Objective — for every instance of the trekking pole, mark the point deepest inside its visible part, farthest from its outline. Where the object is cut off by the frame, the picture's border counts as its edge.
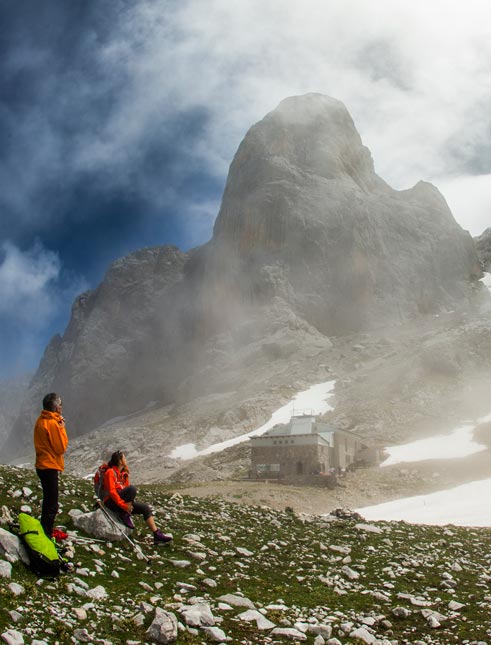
(78, 538)
(135, 546)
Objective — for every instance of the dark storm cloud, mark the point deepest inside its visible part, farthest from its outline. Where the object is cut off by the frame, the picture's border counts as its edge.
(79, 187)
(119, 118)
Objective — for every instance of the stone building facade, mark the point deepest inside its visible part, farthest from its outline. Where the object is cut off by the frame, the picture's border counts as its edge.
(304, 448)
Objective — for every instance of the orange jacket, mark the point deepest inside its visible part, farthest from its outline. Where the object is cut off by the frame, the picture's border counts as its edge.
(50, 441)
(114, 481)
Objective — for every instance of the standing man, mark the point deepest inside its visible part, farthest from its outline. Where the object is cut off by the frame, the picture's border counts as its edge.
(50, 442)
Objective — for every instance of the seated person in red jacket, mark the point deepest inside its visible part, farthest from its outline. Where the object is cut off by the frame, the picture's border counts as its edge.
(119, 496)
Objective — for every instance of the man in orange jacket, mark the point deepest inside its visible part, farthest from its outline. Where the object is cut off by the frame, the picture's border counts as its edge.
(50, 442)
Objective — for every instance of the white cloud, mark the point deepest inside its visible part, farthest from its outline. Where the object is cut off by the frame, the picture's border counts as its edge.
(33, 290)
(469, 198)
(26, 283)
(415, 76)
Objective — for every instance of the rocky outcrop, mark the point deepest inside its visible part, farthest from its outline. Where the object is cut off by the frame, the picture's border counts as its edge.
(12, 393)
(305, 217)
(118, 351)
(483, 246)
(309, 242)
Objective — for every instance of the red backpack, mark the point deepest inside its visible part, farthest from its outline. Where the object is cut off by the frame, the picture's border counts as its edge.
(99, 481)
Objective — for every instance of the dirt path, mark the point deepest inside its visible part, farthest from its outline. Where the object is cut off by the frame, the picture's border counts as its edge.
(364, 487)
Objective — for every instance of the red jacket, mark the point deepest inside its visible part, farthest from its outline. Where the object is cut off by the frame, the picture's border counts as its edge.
(114, 481)
(50, 441)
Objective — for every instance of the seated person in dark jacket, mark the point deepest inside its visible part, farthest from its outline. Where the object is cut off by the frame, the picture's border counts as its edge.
(119, 496)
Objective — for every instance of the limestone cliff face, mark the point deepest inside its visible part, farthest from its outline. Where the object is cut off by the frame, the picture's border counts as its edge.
(306, 228)
(305, 215)
(117, 353)
(483, 246)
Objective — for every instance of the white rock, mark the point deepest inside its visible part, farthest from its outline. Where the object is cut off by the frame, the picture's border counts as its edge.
(368, 620)
(318, 640)
(433, 618)
(13, 637)
(180, 564)
(216, 634)
(224, 606)
(262, 622)
(237, 601)
(321, 630)
(208, 582)
(363, 634)
(302, 627)
(401, 612)
(97, 524)
(82, 635)
(5, 569)
(197, 615)
(455, 606)
(241, 551)
(369, 528)
(73, 588)
(163, 628)
(12, 548)
(345, 550)
(97, 593)
(350, 573)
(16, 589)
(80, 613)
(433, 622)
(290, 633)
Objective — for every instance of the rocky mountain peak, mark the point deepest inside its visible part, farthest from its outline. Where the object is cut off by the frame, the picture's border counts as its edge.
(309, 243)
(306, 139)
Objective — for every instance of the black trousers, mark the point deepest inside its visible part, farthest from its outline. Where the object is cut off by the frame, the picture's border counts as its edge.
(128, 494)
(49, 482)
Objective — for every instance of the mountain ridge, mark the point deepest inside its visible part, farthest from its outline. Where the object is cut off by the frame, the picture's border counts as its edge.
(309, 244)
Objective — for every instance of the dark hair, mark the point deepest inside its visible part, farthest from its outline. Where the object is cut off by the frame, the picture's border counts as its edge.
(50, 401)
(116, 458)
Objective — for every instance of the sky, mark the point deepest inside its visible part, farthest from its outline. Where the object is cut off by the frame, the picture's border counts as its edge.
(119, 120)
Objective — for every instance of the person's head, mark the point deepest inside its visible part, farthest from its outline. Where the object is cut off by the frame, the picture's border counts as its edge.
(52, 402)
(116, 458)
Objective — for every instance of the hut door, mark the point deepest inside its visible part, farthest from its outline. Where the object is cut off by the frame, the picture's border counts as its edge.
(299, 468)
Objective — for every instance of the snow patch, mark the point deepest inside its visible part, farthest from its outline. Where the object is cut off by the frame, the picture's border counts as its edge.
(463, 505)
(313, 400)
(457, 444)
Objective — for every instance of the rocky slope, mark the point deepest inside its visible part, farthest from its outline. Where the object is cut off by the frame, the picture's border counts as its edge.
(309, 244)
(483, 246)
(247, 575)
(12, 392)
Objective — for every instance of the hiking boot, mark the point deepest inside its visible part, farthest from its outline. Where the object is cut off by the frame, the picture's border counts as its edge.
(161, 538)
(126, 520)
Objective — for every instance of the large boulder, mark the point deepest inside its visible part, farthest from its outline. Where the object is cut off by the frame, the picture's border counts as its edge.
(11, 548)
(100, 525)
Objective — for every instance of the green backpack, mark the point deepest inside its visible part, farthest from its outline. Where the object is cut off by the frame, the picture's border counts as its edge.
(44, 560)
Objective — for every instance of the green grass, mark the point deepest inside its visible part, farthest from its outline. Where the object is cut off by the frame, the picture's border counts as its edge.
(297, 566)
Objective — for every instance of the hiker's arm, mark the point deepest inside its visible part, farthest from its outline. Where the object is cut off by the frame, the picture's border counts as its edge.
(112, 491)
(58, 438)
